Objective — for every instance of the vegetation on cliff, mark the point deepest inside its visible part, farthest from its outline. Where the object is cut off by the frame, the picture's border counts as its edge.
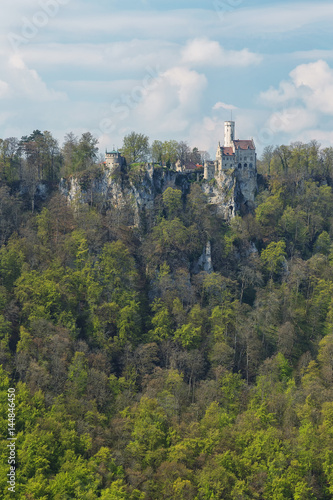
(137, 377)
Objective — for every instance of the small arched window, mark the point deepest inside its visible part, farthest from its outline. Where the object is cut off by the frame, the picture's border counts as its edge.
(239, 165)
(250, 165)
(245, 165)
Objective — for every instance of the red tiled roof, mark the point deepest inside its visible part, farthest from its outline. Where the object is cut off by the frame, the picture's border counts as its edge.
(227, 151)
(244, 144)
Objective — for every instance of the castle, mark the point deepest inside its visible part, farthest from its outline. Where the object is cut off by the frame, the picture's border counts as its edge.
(239, 155)
(233, 191)
(113, 159)
(234, 154)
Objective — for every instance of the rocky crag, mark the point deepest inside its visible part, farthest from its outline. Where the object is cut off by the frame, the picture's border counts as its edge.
(232, 191)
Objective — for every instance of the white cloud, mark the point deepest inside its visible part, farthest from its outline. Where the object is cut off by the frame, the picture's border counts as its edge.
(111, 66)
(205, 52)
(165, 108)
(291, 120)
(313, 75)
(324, 137)
(310, 84)
(276, 19)
(286, 92)
(237, 23)
(172, 102)
(25, 82)
(317, 79)
(303, 105)
(124, 57)
(108, 58)
(222, 105)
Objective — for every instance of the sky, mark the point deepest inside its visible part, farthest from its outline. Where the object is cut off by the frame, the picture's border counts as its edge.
(168, 69)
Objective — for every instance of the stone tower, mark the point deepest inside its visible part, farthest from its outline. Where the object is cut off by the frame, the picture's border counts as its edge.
(113, 159)
(229, 134)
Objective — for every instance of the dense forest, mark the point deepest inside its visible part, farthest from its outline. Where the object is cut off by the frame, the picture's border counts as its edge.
(138, 377)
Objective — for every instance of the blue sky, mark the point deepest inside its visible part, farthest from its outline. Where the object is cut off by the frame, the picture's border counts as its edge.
(171, 70)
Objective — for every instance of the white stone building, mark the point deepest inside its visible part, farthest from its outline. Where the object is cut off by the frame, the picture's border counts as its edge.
(240, 154)
(113, 159)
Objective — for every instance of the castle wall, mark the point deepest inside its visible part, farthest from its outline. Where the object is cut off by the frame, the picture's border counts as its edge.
(113, 160)
(209, 170)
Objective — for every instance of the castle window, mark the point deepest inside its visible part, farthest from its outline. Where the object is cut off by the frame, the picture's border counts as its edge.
(250, 165)
(245, 165)
(239, 165)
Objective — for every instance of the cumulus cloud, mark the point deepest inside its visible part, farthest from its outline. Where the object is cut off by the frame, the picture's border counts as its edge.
(286, 92)
(310, 83)
(300, 101)
(222, 105)
(164, 108)
(25, 82)
(205, 52)
(171, 99)
(317, 79)
(291, 120)
(303, 102)
(25, 97)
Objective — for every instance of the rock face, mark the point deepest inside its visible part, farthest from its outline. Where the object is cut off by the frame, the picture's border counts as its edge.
(205, 260)
(232, 192)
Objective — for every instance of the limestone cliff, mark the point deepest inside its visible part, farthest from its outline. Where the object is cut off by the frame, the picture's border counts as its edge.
(232, 191)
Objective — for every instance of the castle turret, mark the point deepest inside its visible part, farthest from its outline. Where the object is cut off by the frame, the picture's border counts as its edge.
(113, 159)
(229, 133)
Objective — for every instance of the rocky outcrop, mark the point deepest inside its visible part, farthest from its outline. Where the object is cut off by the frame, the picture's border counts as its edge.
(140, 187)
(231, 192)
(205, 260)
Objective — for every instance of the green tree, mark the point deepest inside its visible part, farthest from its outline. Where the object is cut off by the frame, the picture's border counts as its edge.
(135, 147)
(273, 257)
(149, 434)
(170, 152)
(269, 212)
(161, 322)
(323, 243)
(157, 151)
(172, 200)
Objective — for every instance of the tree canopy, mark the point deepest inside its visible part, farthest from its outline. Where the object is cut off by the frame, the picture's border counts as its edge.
(137, 374)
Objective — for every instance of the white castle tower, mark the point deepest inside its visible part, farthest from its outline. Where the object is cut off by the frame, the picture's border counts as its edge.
(240, 154)
(229, 134)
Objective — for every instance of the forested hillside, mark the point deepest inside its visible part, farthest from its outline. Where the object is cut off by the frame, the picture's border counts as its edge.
(138, 377)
